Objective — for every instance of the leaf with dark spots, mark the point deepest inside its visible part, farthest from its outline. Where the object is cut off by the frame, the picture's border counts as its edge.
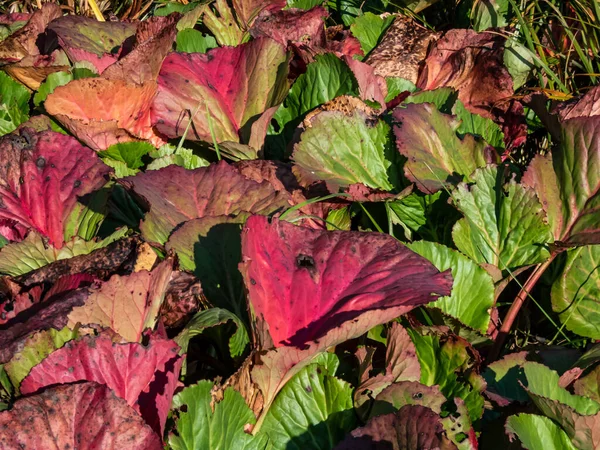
(82, 416)
(411, 428)
(41, 177)
(99, 359)
(482, 81)
(317, 282)
(49, 315)
(292, 25)
(126, 304)
(176, 195)
(102, 260)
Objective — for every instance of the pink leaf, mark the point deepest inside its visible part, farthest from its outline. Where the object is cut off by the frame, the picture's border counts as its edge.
(84, 416)
(305, 282)
(133, 371)
(176, 195)
(41, 177)
(225, 90)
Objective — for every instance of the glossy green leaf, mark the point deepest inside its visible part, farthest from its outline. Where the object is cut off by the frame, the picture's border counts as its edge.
(504, 223)
(576, 292)
(473, 288)
(313, 410)
(199, 427)
(369, 29)
(325, 79)
(343, 150)
(538, 433)
(190, 40)
(14, 104)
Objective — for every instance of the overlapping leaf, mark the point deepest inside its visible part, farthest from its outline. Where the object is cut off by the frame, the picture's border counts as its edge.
(126, 304)
(86, 39)
(504, 224)
(79, 416)
(323, 279)
(41, 177)
(176, 195)
(221, 93)
(144, 376)
(342, 150)
(437, 157)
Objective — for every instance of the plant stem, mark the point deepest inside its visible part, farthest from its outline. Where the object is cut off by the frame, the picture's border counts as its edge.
(514, 309)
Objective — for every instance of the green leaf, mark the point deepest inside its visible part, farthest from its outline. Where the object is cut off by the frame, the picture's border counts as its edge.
(445, 362)
(87, 215)
(190, 40)
(169, 154)
(167, 8)
(313, 410)
(437, 157)
(19, 258)
(339, 219)
(51, 82)
(489, 14)
(472, 291)
(34, 350)
(211, 248)
(396, 86)
(443, 98)
(505, 377)
(369, 29)
(303, 4)
(14, 104)
(428, 215)
(504, 224)
(478, 125)
(343, 150)
(543, 382)
(325, 79)
(126, 157)
(199, 427)
(538, 433)
(576, 291)
(211, 318)
(519, 62)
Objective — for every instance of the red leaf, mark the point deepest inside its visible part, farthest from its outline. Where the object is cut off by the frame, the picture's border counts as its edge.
(228, 88)
(305, 282)
(41, 177)
(472, 63)
(133, 371)
(292, 25)
(154, 39)
(83, 416)
(176, 195)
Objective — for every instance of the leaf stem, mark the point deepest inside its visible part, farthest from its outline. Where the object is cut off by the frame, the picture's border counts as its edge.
(514, 309)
